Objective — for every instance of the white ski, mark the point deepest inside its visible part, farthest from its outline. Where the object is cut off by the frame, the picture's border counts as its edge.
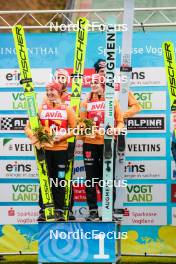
(125, 70)
(107, 202)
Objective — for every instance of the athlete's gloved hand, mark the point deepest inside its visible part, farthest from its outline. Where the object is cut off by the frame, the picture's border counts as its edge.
(58, 138)
(35, 142)
(125, 115)
(30, 134)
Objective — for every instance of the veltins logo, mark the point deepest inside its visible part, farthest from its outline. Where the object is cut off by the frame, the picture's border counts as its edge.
(21, 147)
(144, 147)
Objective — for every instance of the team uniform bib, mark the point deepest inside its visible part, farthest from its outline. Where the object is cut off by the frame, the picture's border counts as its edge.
(56, 117)
(95, 112)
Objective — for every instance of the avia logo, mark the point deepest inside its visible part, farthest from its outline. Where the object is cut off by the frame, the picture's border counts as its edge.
(11, 212)
(53, 114)
(17, 167)
(131, 167)
(13, 76)
(98, 106)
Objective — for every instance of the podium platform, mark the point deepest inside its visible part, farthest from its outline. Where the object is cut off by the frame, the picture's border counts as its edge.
(79, 242)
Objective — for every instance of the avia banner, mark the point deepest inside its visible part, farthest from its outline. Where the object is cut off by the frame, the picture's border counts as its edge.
(150, 195)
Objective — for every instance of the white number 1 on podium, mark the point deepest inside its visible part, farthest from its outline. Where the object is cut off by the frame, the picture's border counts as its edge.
(101, 254)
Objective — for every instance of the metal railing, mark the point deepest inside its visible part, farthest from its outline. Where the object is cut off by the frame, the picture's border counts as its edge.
(97, 16)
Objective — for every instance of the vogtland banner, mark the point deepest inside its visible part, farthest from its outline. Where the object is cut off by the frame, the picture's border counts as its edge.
(149, 200)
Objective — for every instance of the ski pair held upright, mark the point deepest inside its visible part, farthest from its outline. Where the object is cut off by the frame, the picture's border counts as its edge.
(32, 109)
(78, 71)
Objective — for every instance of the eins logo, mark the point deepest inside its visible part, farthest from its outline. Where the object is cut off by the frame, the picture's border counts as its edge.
(138, 75)
(131, 167)
(18, 167)
(13, 76)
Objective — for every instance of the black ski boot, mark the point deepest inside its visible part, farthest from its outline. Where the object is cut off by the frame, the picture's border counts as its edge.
(41, 217)
(93, 216)
(59, 216)
(71, 216)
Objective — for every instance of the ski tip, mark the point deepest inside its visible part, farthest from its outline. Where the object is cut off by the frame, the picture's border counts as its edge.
(83, 19)
(167, 44)
(17, 28)
(82, 22)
